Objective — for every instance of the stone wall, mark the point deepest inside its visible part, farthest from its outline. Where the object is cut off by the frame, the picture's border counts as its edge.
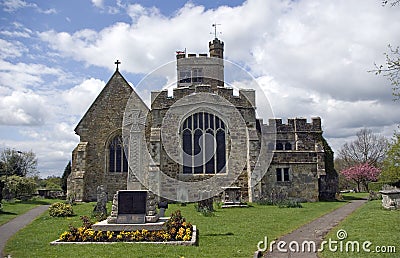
(243, 103)
(306, 158)
(99, 125)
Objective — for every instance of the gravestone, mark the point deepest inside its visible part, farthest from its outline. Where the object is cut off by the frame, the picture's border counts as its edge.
(100, 210)
(163, 205)
(232, 197)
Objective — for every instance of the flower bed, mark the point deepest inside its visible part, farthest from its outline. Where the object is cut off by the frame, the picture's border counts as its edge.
(176, 230)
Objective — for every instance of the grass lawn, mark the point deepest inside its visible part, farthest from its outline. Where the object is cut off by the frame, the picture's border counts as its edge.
(230, 233)
(17, 207)
(369, 223)
(355, 196)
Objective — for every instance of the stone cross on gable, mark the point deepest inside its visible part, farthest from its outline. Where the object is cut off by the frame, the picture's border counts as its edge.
(136, 119)
(117, 63)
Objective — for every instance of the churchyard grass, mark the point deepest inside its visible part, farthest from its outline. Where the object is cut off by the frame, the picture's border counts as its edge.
(230, 233)
(355, 196)
(369, 223)
(13, 208)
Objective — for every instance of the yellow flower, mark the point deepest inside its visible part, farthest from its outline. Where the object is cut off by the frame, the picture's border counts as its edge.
(64, 235)
(110, 234)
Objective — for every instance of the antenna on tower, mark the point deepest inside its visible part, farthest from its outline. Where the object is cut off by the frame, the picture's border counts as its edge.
(215, 29)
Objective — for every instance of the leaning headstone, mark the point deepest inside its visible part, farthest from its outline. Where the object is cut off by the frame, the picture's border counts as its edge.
(162, 206)
(100, 210)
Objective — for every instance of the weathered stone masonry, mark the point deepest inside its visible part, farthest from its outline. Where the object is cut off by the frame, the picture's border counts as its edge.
(98, 126)
(302, 161)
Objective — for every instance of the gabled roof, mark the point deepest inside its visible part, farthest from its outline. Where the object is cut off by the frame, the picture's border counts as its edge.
(110, 93)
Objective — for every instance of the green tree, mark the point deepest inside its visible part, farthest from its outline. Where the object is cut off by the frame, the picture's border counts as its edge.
(391, 164)
(67, 172)
(13, 162)
(50, 183)
(17, 186)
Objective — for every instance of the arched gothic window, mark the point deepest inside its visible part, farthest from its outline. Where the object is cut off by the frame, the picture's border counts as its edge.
(288, 146)
(204, 144)
(117, 160)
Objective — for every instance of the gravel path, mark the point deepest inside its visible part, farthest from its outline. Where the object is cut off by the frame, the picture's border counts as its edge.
(10, 228)
(313, 231)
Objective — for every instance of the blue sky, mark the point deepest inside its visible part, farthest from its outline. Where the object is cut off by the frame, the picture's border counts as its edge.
(310, 58)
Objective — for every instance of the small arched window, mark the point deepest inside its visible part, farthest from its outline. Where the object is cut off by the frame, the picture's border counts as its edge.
(117, 160)
(204, 144)
(279, 146)
(288, 146)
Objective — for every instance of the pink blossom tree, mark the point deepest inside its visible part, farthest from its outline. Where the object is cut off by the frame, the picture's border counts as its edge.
(362, 174)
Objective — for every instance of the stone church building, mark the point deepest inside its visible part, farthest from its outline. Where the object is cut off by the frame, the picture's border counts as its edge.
(288, 159)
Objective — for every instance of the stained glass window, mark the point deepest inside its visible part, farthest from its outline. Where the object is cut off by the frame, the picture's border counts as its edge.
(204, 144)
(117, 159)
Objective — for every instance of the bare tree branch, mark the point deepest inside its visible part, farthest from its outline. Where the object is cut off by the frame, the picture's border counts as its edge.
(368, 147)
(391, 70)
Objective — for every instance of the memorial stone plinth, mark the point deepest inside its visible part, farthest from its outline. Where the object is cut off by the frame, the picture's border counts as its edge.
(132, 210)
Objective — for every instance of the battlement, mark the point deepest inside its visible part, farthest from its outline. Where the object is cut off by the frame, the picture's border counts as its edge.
(180, 55)
(296, 125)
(245, 99)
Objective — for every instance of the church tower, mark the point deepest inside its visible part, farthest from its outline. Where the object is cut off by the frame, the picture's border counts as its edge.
(216, 48)
(202, 69)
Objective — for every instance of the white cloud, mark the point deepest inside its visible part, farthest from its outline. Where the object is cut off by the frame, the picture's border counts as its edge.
(21, 34)
(318, 54)
(11, 49)
(98, 3)
(21, 75)
(53, 154)
(23, 108)
(14, 5)
(80, 97)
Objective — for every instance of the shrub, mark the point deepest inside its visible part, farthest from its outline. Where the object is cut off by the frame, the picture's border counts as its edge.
(178, 228)
(60, 209)
(377, 186)
(265, 202)
(281, 203)
(290, 204)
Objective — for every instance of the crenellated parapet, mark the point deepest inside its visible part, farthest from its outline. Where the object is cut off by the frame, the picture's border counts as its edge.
(296, 125)
(161, 99)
